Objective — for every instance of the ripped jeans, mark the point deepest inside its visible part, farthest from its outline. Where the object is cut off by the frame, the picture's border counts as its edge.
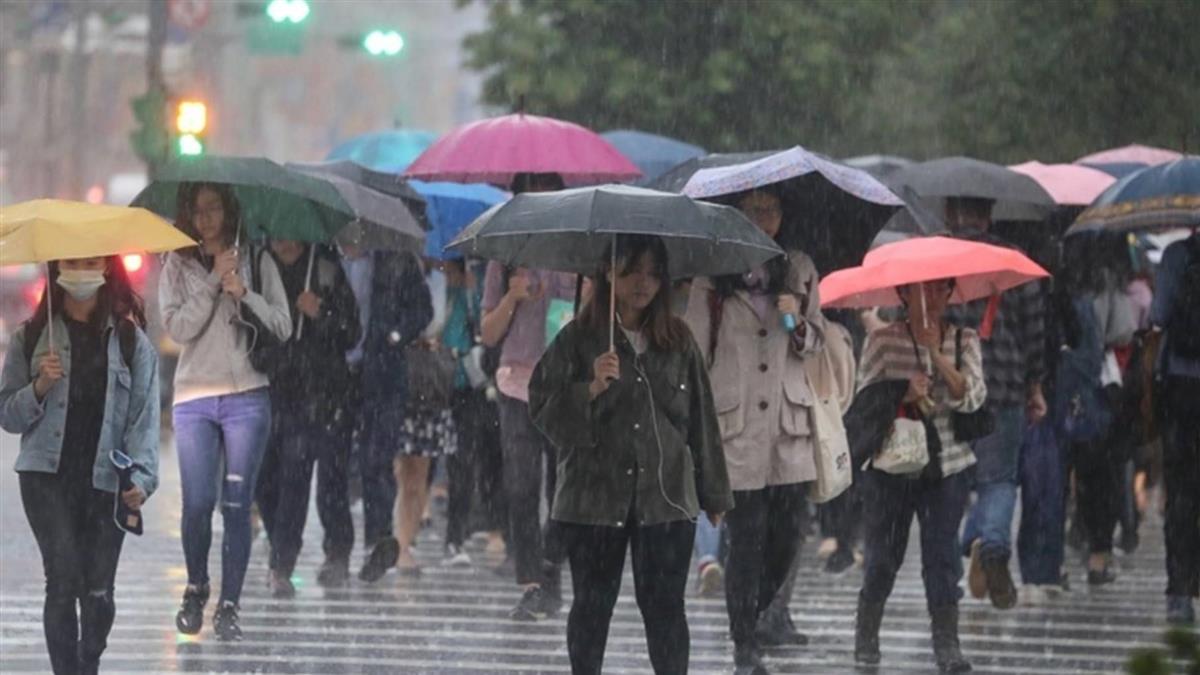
(220, 441)
(80, 545)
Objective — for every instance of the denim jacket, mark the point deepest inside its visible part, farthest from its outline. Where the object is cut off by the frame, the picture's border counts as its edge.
(131, 408)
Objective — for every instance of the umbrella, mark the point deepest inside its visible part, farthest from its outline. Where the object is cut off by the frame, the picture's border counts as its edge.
(570, 230)
(676, 178)
(1116, 169)
(390, 225)
(1163, 196)
(979, 270)
(275, 201)
(1068, 184)
(496, 149)
(654, 155)
(1017, 196)
(391, 150)
(389, 183)
(831, 211)
(43, 230)
(1141, 154)
(877, 165)
(450, 208)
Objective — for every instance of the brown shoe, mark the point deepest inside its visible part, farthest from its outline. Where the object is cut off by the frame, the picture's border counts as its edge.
(1000, 584)
(976, 579)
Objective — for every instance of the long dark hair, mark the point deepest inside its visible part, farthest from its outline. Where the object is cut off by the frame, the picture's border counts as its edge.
(664, 331)
(185, 212)
(116, 298)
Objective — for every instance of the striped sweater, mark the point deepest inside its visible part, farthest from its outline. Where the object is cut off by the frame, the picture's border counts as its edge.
(888, 355)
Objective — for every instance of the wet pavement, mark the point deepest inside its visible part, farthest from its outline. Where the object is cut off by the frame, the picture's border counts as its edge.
(455, 620)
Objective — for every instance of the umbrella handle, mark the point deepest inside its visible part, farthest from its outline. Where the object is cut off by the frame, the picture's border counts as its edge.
(312, 255)
(49, 311)
(612, 298)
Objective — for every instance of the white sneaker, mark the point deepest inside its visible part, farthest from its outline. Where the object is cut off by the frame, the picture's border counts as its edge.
(1033, 595)
(456, 557)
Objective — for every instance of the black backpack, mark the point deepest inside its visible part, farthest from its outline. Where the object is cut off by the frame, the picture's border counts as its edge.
(1184, 326)
(126, 333)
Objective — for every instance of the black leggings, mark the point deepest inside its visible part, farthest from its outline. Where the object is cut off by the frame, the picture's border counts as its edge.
(80, 546)
(661, 556)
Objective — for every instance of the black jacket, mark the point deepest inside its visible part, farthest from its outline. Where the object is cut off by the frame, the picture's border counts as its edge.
(401, 308)
(869, 420)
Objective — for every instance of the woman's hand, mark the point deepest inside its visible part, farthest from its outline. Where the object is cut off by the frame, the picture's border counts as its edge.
(225, 263)
(50, 371)
(605, 369)
(232, 284)
(928, 335)
(133, 498)
(310, 304)
(918, 388)
(788, 304)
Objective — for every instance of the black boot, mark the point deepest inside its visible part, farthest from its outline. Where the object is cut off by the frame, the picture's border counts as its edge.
(945, 640)
(866, 632)
(747, 659)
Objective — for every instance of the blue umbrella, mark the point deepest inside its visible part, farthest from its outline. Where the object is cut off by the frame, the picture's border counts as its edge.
(1117, 169)
(392, 150)
(1166, 195)
(450, 207)
(653, 154)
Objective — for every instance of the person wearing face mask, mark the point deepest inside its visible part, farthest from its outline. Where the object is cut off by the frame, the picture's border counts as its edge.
(756, 331)
(222, 408)
(76, 384)
(639, 454)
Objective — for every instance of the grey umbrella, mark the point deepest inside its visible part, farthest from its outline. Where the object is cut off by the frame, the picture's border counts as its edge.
(387, 221)
(1017, 196)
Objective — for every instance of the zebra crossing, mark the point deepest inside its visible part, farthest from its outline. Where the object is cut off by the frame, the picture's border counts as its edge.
(454, 620)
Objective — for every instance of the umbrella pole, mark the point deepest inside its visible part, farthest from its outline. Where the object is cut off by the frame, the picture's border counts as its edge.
(612, 298)
(312, 255)
(49, 311)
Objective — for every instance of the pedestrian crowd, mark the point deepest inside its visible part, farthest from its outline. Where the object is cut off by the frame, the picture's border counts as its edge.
(685, 422)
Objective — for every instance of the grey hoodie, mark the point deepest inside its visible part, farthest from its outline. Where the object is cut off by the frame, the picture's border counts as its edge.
(197, 315)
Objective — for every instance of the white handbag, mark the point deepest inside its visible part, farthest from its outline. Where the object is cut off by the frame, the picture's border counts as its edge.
(905, 450)
(831, 452)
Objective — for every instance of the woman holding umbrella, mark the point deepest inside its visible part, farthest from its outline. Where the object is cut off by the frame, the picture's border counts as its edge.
(222, 411)
(642, 487)
(756, 330)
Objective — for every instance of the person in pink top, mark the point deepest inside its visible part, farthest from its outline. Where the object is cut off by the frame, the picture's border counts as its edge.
(522, 310)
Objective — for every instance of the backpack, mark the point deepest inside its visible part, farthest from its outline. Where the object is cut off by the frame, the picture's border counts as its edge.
(126, 333)
(266, 350)
(1080, 408)
(1184, 326)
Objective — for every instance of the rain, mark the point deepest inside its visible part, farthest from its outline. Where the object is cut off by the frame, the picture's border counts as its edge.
(599, 336)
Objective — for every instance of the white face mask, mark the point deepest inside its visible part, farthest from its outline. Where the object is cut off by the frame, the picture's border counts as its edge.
(81, 284)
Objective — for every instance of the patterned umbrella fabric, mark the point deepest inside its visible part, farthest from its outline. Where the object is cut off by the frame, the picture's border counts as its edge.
(494, 150)
(1163, 196)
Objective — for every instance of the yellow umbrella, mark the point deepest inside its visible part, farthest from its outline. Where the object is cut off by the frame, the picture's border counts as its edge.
(42, 230)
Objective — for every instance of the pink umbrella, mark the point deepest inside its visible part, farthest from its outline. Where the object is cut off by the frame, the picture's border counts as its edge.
(1068, 184)
(495, 149)
(1141, 154)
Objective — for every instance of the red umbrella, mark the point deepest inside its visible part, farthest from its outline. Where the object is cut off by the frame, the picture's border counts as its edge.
(979, 270)
(495, 149)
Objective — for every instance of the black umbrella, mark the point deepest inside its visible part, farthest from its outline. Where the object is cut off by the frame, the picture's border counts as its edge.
(388, 183)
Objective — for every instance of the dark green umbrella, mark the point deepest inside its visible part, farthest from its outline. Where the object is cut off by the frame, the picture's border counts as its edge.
(275, 201)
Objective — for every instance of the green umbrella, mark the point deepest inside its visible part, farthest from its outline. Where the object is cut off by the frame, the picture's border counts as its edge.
(275, 201)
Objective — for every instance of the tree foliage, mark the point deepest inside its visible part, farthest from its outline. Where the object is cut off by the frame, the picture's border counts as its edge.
(1051, 79)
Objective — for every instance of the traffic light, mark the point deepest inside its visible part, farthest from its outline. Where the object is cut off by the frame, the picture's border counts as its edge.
(191, 121)
(291, 11)
(383, 43)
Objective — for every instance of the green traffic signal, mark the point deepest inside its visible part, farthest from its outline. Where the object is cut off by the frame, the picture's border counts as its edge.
(383, 43)
(190, 145)
(293, 11)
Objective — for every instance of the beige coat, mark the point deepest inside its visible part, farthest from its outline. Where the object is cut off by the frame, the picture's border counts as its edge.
(760, 386)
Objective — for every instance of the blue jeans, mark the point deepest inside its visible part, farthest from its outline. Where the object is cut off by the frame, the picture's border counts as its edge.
(1043, 505)
(208, 430)
(996, 475)
(708, 541)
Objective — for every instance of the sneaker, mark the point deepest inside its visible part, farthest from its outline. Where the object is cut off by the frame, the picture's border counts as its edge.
(334, 573)
(839, 562)
(383, 557)
(976, 579)
(190, 617)
(747, 659)
(455, 556)
(711, 579)
(1034, 595)
(281, 585)
(1101, 577)
(1180, 611)
(533, 606)
(775, 629)
(1000, 586)
(225, 623)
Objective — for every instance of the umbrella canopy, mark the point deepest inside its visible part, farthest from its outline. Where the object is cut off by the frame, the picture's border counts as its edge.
(830, 210)
(1017, 196)
(390, 224)
(53, 229)
(654, 155)
(979, 270)
(450, 208)
(1068, 184)
(676, 178)
(494, 150)
(275, 201)
(570, 231)
(389, 183)
(1116, 169)
(390, 150)
(1163, 196)
(1141, 154)
(877, 165)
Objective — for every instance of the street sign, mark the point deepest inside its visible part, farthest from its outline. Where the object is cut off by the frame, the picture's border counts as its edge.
(189, 14)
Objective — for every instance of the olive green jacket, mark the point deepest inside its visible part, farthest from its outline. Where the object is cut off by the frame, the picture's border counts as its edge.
(650, 440)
